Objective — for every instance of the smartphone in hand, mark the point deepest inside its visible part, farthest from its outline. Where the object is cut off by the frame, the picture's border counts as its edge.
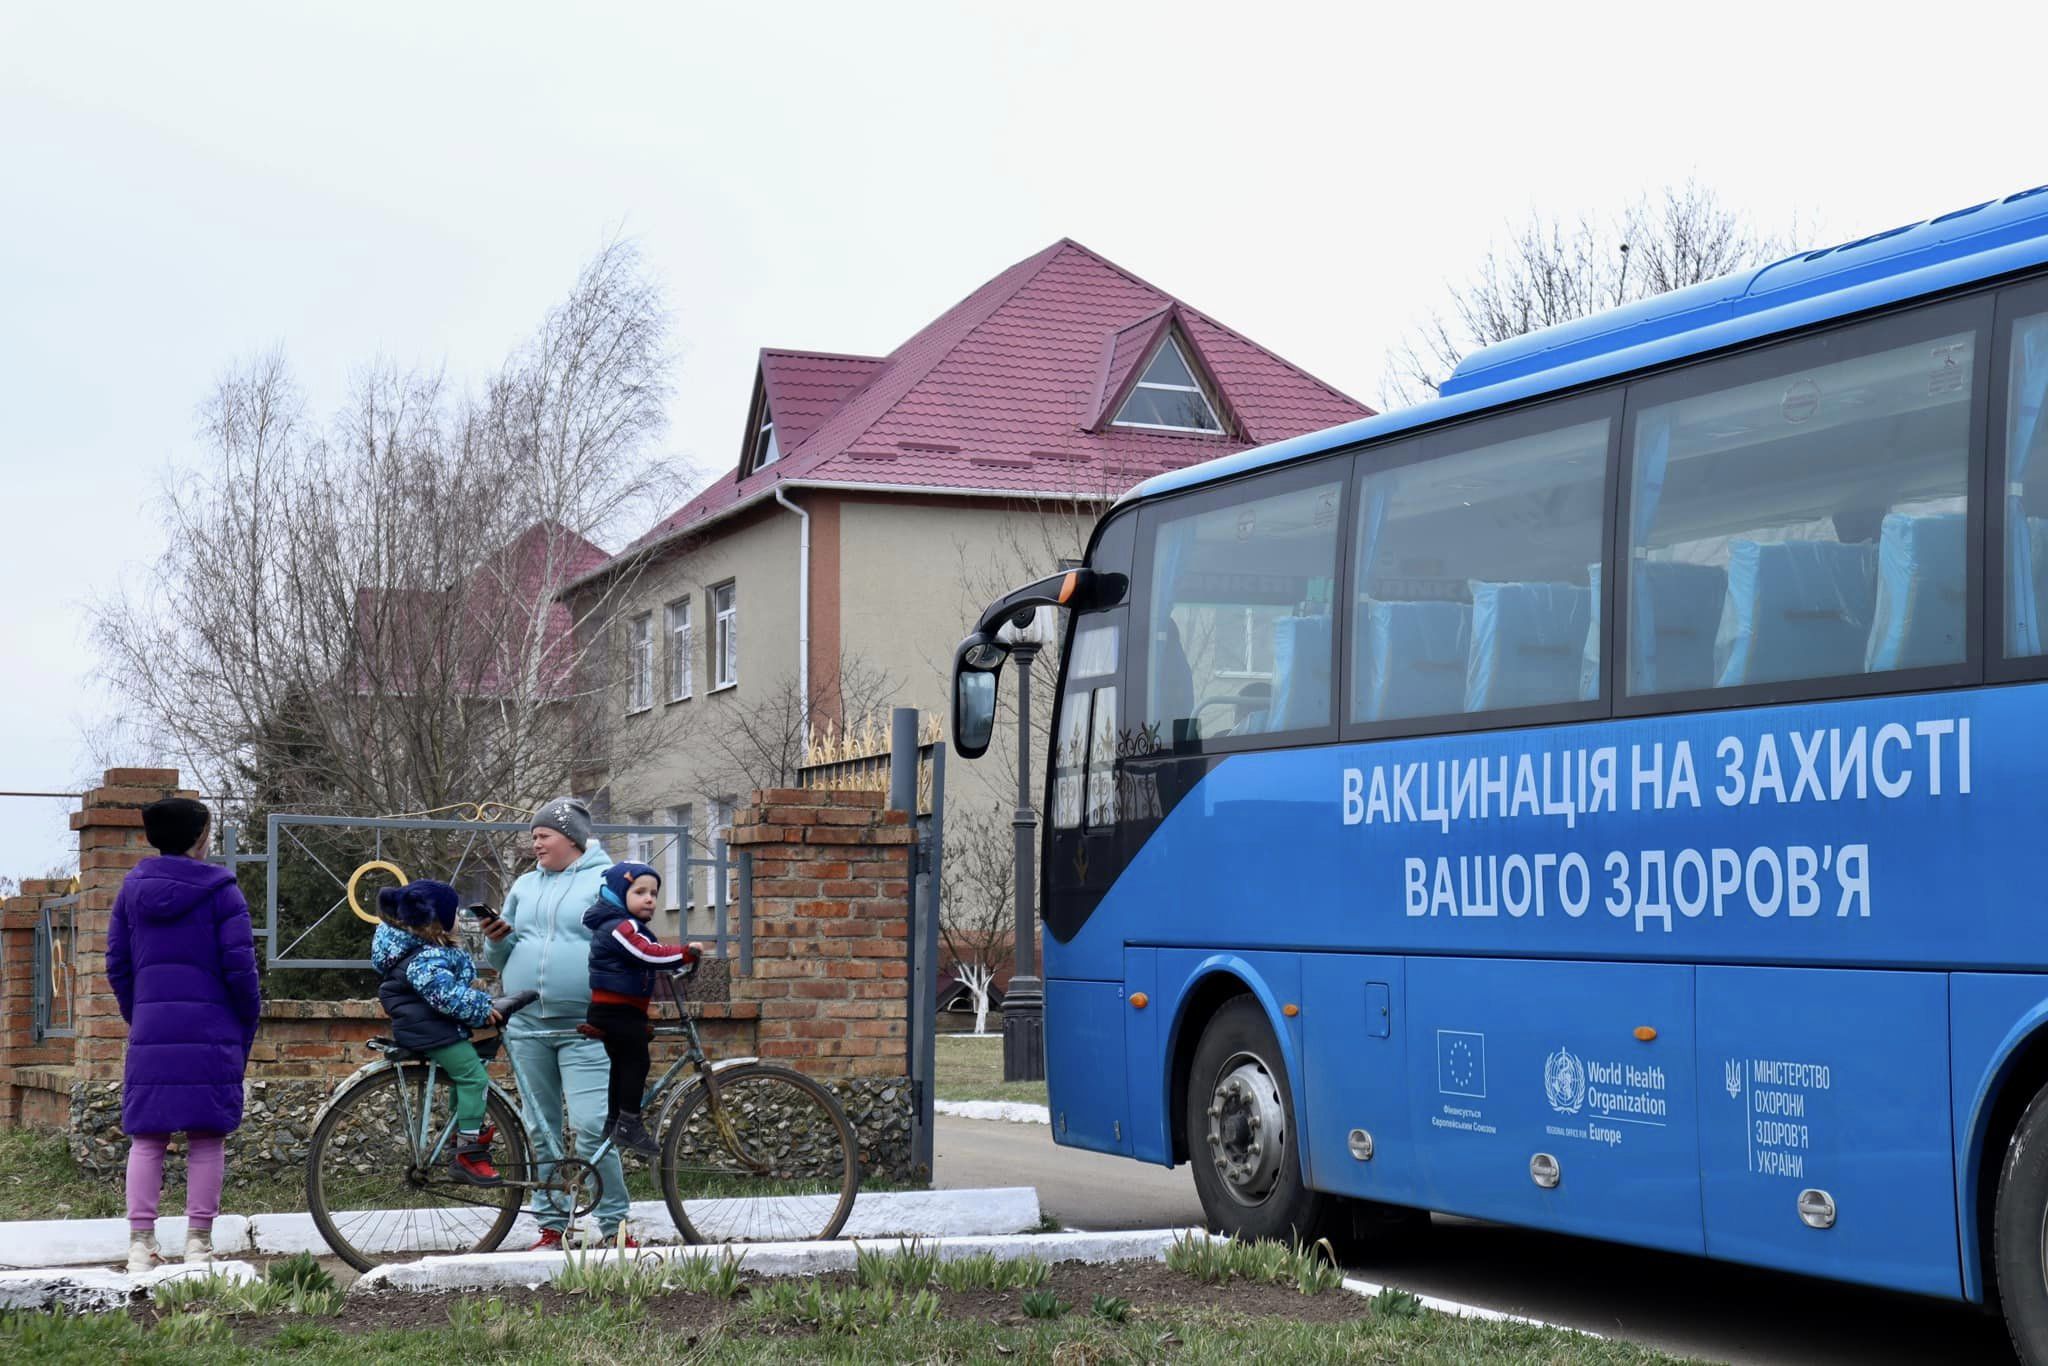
(481, 912)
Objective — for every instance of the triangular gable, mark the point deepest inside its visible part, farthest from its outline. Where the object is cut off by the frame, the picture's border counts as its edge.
(805, 388)
(1131, 352)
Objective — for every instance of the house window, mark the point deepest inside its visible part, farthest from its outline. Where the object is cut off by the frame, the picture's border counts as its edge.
(725, 641)
(640, 844)
(678, 886)
(766, 451)
(717, 830)
(640, 663)
(1168, 396)
(679, 650)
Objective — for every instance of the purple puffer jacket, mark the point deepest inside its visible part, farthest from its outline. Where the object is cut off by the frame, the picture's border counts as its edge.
(182, 960)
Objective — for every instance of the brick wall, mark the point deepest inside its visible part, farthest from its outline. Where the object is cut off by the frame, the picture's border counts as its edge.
(831, 930)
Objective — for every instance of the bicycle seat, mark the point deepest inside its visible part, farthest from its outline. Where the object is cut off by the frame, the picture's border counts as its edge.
(394, 1051)
(507, 1006)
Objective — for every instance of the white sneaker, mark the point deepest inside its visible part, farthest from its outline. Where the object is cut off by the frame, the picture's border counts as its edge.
(142, 1253)
(198, 1248)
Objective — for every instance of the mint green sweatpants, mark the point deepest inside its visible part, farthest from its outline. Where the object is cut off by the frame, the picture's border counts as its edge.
(565, 1069)
(472, 1084)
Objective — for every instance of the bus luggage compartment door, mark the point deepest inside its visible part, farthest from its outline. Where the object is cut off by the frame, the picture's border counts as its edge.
(1356, 1082)
(1832, 1081)
(1558, 1095)
(1084, 1064)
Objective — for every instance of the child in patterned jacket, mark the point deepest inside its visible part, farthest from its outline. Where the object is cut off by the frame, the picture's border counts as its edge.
(428, 989)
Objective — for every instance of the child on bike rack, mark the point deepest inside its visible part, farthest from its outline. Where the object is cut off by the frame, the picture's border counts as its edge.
(428, 991)
(624, 956)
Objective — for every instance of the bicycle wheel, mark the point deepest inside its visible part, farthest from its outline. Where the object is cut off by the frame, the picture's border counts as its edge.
(788, 1174)
(373, 1191)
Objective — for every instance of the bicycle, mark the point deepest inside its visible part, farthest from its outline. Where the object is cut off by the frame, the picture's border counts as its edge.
(750, 1152)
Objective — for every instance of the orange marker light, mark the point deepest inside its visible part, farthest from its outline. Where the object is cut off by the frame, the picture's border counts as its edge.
(1645, 1033)
(1290, 1010)
(1139, 1000)
(1067, 587)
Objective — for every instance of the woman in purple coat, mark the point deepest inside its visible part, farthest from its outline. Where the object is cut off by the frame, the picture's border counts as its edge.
(182, 959)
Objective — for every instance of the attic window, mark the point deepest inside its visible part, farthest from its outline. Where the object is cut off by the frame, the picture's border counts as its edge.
(765, 451)
(1168, 397)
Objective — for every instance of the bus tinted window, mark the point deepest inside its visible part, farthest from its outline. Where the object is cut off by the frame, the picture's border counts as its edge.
(1240, 617)
(1084, 751)
(2026, 484)
(1477, 577)
(1808, 525)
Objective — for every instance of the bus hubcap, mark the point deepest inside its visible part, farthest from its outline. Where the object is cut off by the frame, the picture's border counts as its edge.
(1247, 1129)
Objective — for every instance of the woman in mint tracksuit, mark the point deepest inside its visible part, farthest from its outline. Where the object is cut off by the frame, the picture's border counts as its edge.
(540, 943)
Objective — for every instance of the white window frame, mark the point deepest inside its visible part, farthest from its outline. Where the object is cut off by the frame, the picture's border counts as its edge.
(718, 826)
(681, 635)
(725, 632)
(640, 663)
(1208, 403)
(767, 450)
(677, 882)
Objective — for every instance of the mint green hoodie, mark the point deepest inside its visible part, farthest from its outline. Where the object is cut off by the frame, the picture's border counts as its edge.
(549, 948)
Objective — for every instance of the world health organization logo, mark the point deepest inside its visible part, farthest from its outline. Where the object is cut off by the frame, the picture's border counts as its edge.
(1564, 1081)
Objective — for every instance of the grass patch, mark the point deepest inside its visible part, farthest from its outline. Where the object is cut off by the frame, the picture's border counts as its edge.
(39, 1180)
(850, 1325)
(972, 1069)
(214, 1295)
(986, 1271)
(1218, 1261)
(641, 1278)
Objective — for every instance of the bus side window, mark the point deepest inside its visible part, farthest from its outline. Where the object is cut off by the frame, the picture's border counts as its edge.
(1239, 638)
(2026, 485)
(1792, 521)
(1084, 751)
(1477, 573)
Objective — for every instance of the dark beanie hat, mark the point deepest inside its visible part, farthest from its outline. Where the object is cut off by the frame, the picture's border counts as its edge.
(420, 902)
(569, 816)
(621, 876)
(174, 824)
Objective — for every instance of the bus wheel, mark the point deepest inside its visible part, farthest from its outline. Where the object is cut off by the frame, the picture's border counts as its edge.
(2019, 1233)
(1241, 1133)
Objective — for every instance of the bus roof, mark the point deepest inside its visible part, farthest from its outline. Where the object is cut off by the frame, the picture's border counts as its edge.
(1981, 242)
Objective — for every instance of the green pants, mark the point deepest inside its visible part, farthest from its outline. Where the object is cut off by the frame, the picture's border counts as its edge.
(472, 1084)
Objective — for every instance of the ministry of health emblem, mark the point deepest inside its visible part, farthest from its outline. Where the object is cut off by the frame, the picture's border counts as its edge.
(1731, 1072)
(1564, 1081)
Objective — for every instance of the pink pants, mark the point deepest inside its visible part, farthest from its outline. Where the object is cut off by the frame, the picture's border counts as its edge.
(205, 1166)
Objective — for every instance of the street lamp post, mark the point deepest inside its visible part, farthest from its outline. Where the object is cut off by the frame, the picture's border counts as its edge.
(1024, 1001)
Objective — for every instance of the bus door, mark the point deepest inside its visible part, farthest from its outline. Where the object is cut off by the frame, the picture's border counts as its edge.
(1558, 1095)
(1825, 1129)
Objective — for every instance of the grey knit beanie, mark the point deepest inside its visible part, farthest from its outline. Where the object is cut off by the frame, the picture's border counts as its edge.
(569, 816)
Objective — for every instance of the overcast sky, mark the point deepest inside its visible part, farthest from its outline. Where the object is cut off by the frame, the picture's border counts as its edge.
(183, 185)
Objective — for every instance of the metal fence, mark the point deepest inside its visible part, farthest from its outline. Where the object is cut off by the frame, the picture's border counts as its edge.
(53, 998)
(481, 867)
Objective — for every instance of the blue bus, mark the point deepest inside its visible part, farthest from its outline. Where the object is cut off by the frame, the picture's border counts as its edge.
(1611, 797)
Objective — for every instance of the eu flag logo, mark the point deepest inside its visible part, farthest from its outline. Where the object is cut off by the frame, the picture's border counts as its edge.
(1461, 1063)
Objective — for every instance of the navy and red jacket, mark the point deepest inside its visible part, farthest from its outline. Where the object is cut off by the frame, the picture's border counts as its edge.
(625, 954)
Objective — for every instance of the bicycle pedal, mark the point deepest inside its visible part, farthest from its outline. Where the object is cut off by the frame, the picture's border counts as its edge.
(589, 1031)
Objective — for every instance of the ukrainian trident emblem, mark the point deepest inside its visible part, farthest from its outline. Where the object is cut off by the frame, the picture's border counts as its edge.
(1733, 1070)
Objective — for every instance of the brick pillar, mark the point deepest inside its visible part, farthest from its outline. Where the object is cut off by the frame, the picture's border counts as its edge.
(831, 930)
(110, 842)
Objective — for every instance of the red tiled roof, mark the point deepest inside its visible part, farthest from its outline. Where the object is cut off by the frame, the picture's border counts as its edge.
(476, 637)
(806, 387)
(999, 393)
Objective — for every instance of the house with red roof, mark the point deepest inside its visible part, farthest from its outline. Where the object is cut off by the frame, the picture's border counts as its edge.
(875, 504)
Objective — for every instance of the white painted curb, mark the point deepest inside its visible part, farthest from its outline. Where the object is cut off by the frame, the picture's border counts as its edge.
(527, 1269)
(94, 1289)
(46, 1243)
(1007, 1111)
(1462, 1311)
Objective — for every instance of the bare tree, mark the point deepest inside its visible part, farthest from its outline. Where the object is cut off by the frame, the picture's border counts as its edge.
(759, 741)
(977, 902)
(1554, 269)
(363, 614)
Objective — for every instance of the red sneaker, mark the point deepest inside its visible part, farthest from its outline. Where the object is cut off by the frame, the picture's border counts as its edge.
(629, 1242)
(550, 1241)
(472, 1164)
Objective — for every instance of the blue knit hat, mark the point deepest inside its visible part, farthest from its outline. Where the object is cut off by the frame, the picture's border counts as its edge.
(420, 902)
(621, 876)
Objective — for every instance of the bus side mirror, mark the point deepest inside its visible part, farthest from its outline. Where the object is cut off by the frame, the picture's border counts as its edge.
(977, 664)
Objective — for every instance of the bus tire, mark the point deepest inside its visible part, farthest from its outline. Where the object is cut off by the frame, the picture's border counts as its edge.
(2019, 1230)
(1247, 1175)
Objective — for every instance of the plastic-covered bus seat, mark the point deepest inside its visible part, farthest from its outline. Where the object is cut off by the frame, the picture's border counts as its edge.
(1795, 609)
(1415, 662)
(1920, 616)
(1301, 674)
(1589, 654)
(1173, 683)
(2036, 566)
(1684, 603)
(1527, 643)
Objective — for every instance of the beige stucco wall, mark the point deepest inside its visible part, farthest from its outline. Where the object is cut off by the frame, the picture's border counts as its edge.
(912, 577)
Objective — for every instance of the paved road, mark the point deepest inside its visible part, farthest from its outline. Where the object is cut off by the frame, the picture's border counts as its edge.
(1681, 1304)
